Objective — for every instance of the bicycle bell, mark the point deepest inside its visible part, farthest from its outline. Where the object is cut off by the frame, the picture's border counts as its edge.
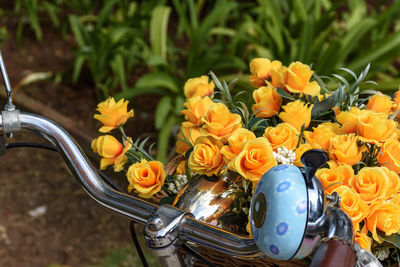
(289, 214)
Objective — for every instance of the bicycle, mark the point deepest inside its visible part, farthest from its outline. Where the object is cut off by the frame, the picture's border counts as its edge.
(167, 229)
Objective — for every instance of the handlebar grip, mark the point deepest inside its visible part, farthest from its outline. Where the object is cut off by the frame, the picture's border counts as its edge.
(334, 253)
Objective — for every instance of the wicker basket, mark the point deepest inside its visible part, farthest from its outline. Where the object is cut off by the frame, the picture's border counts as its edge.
(215, 257)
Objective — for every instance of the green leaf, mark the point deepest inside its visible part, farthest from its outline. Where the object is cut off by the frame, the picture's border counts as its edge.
(163, 139)
(158, 79)
(337, 98)
(393, 239)
(158, 30)
(136, 91)
(162, 111)
(118, 66)
(105, 13)
(78, 64)
(284, 94)
(78, 29)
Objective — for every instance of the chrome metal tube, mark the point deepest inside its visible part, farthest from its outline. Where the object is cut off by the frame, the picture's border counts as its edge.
(215, 238)
(134, 208)
(86, 174)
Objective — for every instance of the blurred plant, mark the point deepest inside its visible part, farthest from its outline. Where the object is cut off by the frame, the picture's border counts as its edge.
(30, 11)
(328, 34)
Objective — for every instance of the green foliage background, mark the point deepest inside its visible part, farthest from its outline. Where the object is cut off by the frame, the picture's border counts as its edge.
(132, 48)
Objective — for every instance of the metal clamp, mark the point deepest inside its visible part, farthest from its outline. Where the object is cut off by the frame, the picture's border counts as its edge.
(161, 232)
(10, 122)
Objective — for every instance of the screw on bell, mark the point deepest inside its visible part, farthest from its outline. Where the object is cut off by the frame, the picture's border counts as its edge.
(155, 223)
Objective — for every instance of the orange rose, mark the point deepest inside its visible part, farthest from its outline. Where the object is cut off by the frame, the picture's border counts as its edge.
(111, 151)
(380, 103)
(255, 159)
(363, 239)
(298, 80)
(146, 177)
(112, 114)
(283, 134)
(374, 129)
(236, 142)
(349, 119)
(268, 102)
(371, 183)
(351, 203)
(181, 168)
(322, 134)
(333, 178)
(296, 113)
(186, 138)
(389, 156)
(384, 216)
(206, 157)
(344, 149)
(300, 151)
(220, 123)
(198, 87)
(265, 72)
(197, 108)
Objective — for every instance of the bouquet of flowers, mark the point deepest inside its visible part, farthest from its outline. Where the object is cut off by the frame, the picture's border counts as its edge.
(241, 136)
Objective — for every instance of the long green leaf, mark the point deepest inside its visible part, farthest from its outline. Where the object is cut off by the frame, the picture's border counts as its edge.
(163, 139)
(158, 30)
(389, 45)
(78, 30)
(158, 79)
(162, 111)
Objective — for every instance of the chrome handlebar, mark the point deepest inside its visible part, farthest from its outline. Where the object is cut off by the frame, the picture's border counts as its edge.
(134, 208)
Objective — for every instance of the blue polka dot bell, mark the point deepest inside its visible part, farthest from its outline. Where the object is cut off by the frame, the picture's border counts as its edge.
(280, 208)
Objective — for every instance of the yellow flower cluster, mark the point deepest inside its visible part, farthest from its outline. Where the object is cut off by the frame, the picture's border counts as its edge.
(145, 178)
(370, 194)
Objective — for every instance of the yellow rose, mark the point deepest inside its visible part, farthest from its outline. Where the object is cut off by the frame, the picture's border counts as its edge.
(380, 103)
(344, 149)
(333, 178)
(236, 142)
(348, 119)
(384, 216)
(265, 72)
(351, 203)
(396, 101)
(255, 159)
(389, 155)
(220, 123)
(362, 238)
(296, 113)
(206, 157)
(300, 151)
(111, 151)
(395, 198)
(112, 114)
(268, 102)
(197, 108)
(373, 128)
(282, 134)
(322, 134)
(198, 87)
(298, 79)
(394, 181)
(371, 183)
(187, 135)
(146, 177)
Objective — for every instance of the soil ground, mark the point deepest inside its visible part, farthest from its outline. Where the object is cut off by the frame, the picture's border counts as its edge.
(74, 230)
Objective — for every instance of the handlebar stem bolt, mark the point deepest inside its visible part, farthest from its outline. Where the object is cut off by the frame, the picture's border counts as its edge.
(155, 223)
